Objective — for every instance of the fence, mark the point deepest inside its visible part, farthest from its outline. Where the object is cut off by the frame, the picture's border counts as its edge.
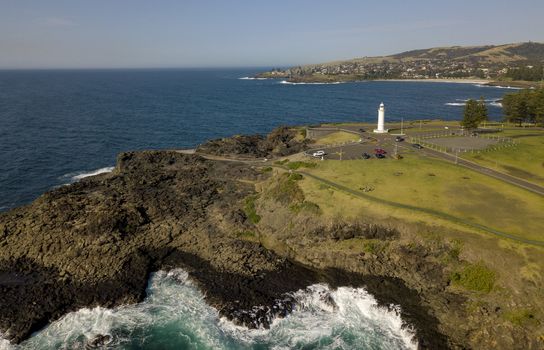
(502, 142)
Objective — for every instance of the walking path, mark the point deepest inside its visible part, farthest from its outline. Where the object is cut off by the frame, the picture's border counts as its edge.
(362, 195)
(423, 210)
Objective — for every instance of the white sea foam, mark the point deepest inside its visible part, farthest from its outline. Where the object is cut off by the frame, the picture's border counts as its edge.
(252, 78)
(461, 102)
(83, 174)
(303, 83)
(4, 343)
(498, 87)
(346, 318)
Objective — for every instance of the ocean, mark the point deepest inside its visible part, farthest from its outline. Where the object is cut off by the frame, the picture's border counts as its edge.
(60, 126)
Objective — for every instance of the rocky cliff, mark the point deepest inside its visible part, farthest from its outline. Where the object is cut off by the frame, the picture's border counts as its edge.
(95, 242)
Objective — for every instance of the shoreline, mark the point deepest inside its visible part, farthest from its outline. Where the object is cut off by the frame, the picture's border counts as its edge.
(236, 275)
(434, 80)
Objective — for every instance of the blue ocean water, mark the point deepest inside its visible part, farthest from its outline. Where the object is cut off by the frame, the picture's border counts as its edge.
(55, 125)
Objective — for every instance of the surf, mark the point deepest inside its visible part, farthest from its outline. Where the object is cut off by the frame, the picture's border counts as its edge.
(175, 315)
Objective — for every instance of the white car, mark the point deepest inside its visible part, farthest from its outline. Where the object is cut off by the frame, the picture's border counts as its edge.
(318, 153)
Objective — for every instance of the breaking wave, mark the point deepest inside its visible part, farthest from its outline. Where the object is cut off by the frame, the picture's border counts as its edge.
(495, 102)
(176, 316)
(83, 174)
(303, 83)
(498, 87)
(252, 78)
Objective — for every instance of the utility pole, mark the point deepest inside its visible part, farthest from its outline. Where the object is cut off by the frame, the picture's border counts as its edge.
(402, 125)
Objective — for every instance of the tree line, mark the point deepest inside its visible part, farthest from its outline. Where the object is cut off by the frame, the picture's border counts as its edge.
(529, 73)
(525, 106)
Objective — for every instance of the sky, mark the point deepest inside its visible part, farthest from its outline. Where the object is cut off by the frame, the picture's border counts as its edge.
(248, 33)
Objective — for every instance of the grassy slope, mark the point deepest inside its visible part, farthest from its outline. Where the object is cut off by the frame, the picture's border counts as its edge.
(438, 186)
(516, 269)
(337, 137)
(526, 160)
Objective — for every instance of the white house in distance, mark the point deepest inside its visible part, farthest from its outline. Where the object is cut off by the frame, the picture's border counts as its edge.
(381, 120)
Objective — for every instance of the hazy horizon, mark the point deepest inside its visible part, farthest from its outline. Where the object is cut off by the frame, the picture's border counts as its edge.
(167, 34)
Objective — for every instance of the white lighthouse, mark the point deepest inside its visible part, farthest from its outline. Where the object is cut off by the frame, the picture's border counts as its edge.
(381, 120)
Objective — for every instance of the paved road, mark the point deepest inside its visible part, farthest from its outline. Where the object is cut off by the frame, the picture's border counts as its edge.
(483, 170)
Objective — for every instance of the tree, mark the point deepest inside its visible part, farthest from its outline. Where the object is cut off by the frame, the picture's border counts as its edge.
(471, 114)
(482, 110)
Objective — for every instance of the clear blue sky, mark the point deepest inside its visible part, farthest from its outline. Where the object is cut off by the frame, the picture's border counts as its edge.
(213, 33)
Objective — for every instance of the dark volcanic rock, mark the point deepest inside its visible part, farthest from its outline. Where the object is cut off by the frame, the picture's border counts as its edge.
(280, 142)
(95, 242)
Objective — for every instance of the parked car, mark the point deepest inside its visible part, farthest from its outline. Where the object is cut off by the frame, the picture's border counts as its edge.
(366, 156)
(318, 153)
(362, 130)
(399, 139)
(380, 155)
(379, 151)
(417, 145)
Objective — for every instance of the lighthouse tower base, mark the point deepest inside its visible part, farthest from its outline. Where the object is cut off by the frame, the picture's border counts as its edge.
(383, 131)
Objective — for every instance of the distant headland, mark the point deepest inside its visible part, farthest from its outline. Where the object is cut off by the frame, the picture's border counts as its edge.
(518, 64)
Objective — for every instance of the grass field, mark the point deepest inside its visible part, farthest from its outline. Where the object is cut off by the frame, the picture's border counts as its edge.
(337, 137)
(435, 186)
(525, 160)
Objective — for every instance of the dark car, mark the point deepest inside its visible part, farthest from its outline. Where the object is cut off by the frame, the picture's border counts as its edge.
(379, 151)
(417, 145)
(399, 139)
(366, 156)
(362, 130)
(380, 155)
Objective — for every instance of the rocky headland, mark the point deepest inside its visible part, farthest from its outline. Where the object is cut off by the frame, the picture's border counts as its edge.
(95, 242)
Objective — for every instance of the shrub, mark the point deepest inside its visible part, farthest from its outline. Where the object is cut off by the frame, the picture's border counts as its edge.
(246, 235)
(476, 277)
(306, 206)
(295, 177)
(520, 317)
(370, 247)
(282, 162)
(266, 169)
(250, 210)
(285, 190)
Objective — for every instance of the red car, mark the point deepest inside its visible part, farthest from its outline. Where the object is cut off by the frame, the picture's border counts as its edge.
(379, 151)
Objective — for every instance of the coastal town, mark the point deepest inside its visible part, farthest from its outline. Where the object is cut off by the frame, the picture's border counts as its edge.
(506, 62)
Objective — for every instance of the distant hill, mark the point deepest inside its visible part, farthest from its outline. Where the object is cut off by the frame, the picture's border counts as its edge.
(520, 61)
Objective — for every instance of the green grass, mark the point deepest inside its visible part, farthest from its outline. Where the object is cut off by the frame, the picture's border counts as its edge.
(338, 137)
(371, 246)
(250, 210)
(247, 235)
(455, 193)
(282, 162)
(305, 206)
(266, 169)
(299, 164)
(524, 160)
(475, 277)
(520, 317)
